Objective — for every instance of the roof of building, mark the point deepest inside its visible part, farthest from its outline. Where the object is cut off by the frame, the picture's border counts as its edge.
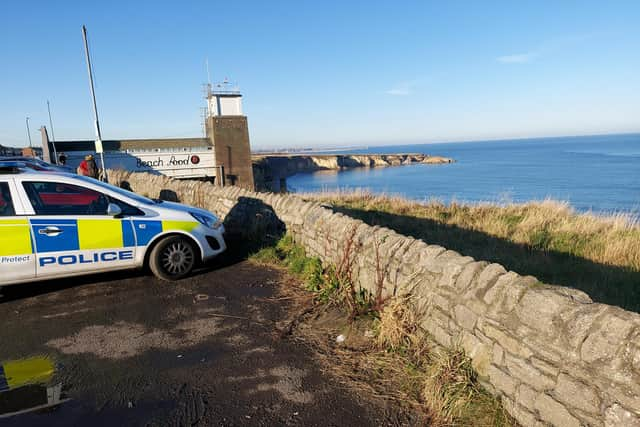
(132, 144)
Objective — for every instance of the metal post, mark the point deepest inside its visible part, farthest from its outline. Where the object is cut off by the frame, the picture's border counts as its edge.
(95, 108)
(29, 132)
(53, 136)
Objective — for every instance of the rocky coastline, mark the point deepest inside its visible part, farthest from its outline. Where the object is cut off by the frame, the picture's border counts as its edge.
(271, 170)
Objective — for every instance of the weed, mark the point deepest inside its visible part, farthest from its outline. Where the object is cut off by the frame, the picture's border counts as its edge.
(266, 256)
(379, 299)
(344, 275)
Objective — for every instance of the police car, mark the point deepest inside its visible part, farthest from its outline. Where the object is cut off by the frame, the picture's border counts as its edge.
(56, 225)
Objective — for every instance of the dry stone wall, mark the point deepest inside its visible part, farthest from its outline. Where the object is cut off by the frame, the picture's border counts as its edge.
(552, 355)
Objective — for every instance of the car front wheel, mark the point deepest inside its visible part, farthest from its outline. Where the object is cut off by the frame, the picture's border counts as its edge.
(173, 258)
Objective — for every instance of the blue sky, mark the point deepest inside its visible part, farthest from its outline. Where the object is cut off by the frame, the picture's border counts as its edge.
(327, 73)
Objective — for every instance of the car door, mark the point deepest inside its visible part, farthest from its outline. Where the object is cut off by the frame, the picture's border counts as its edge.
(17, 258)
(73, 233)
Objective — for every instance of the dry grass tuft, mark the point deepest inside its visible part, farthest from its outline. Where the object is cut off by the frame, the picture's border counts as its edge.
(449, 386)
(398, 329)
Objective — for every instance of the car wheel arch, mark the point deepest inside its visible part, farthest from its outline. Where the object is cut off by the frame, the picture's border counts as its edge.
(157, 239)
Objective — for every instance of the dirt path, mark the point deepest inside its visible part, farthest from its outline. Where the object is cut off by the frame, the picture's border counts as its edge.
(207, 351)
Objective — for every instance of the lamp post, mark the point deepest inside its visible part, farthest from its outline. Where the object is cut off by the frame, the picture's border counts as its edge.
(28, 132)
(98, 143)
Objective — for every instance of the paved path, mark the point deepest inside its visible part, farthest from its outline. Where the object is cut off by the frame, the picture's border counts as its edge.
(132, 350)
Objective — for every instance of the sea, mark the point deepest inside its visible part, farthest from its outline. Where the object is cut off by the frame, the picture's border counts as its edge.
(599, 174)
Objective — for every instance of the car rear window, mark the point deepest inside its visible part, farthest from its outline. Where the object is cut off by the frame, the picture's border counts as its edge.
(6, 203)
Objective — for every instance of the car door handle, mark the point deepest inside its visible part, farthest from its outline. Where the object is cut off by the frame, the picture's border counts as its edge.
(50, 231)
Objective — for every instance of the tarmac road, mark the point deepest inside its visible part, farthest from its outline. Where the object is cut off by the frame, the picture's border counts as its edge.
(131, 350)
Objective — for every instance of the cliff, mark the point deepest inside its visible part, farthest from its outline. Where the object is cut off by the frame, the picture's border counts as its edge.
(270, 171)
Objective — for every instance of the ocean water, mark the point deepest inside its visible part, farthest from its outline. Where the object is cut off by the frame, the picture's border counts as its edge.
(592, 173)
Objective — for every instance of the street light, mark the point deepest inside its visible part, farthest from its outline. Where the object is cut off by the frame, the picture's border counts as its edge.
(29, 132)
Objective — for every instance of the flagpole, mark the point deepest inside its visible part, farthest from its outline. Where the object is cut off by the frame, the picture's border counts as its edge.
(95, 108)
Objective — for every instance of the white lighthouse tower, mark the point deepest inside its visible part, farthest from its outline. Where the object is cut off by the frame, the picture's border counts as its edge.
(224, 99)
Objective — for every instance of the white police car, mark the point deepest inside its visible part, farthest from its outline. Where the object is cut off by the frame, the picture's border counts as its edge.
(56, 225)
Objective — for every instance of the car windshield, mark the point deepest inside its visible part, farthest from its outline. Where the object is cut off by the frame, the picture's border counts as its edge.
(138, 198)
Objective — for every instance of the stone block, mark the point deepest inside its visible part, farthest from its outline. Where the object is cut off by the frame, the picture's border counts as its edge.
(607, 338)
(465, 317)
(554, 412)
(509, 343)
(433, 251)
(469, 342)
(522, 416)
(617, 416)
(626, 397)
(440, 302)
(545, 367)
(469, 272)
(502, 381)
(577, 394)
(440, 335)
(541, 308)
(528, 374)
(476, 306)
(487, 278)
(480, 353)
(545, 350)
(440, 317)
(578, 322)
(527, 397)
(450, 273)
(498, 355)
(493, 294)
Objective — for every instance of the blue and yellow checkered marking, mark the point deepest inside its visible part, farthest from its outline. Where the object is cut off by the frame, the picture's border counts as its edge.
(81, 234)
(16, 238)
(146, 230)
(67, 240)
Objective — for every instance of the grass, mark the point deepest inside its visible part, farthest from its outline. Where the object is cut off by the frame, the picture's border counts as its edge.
(402, 363)
(443, 380)
(287, 254)
(599, 255)
(331, 285)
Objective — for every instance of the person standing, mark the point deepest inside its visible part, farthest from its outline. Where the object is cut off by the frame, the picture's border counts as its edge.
(88, 167)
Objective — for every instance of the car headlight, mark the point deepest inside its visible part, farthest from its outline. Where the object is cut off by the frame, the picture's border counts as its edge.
(207, 220)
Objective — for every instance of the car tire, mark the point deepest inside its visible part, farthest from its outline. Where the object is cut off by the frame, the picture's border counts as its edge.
(173, 258)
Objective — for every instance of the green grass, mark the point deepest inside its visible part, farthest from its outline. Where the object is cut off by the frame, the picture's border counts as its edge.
(287, 254)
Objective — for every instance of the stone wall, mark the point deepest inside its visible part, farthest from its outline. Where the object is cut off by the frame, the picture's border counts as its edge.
(554, 356)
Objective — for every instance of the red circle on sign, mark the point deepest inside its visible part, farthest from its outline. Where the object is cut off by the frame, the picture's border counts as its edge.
(195, 159)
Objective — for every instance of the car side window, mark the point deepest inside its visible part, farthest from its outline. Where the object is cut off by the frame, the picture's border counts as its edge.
(6, 203)
(57, 198)
(127, 209)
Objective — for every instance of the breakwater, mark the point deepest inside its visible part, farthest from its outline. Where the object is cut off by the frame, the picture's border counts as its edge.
(270, 171)
(552, 355)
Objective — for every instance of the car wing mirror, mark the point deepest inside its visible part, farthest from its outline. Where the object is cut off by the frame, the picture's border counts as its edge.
(113, 210)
